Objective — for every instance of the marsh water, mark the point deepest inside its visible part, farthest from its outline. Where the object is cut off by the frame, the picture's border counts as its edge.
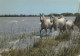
(10, 26)
(22, 24)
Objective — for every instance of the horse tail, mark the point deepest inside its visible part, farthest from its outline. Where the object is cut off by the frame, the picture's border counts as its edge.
(75, 27)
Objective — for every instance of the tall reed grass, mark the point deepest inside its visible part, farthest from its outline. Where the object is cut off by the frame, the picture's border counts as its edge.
(48, 47)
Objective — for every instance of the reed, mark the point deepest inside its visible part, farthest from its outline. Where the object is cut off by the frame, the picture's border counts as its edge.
(46, 47)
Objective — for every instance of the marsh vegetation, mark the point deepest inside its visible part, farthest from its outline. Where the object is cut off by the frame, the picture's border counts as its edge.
(24, 44)
(61, 45)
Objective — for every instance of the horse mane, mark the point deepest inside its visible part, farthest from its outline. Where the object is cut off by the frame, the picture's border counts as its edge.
(61, 16)
(54, 18)
(44, 18)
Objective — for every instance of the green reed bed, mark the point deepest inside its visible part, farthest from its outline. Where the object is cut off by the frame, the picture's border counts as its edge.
(64, 36)
(46, 47)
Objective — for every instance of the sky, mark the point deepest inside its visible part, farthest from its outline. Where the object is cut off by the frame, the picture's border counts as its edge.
(38, 6)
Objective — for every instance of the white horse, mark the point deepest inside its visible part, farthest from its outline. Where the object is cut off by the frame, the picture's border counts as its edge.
(71, 26)
(45, 24)
(59, 23)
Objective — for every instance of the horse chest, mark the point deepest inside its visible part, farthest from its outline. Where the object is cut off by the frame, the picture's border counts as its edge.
(44, 25)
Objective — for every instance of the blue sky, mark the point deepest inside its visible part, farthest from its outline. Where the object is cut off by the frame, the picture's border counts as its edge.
(38, 6)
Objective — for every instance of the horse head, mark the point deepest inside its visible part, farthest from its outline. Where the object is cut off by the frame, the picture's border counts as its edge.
(61, 16)
(42, 18)
(53, 18)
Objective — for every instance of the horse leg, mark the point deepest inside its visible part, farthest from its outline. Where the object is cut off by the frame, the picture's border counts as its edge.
(55, 28)
(70, 30)
(51, 30)
(64, 28)
(40, 31)
(46, 31)
(60, 30)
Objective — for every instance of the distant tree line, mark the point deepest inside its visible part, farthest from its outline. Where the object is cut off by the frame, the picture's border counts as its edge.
(65, 14)
(55, 14)
(19, 15)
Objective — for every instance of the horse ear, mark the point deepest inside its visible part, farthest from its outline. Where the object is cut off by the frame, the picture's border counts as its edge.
(50, 16)
(43, 14)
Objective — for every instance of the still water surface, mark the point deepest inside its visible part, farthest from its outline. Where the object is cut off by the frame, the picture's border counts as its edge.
(22, 24)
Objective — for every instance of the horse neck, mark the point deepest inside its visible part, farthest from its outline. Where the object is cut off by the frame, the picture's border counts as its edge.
(56, 19)
(44, 18)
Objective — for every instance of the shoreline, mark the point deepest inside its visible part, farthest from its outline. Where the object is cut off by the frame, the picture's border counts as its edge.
(32, 16)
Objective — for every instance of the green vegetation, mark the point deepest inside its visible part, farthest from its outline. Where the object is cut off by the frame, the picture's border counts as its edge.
(77, 20)
(47, 47)
(22, 15)
(65, 14)
(64, 37)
